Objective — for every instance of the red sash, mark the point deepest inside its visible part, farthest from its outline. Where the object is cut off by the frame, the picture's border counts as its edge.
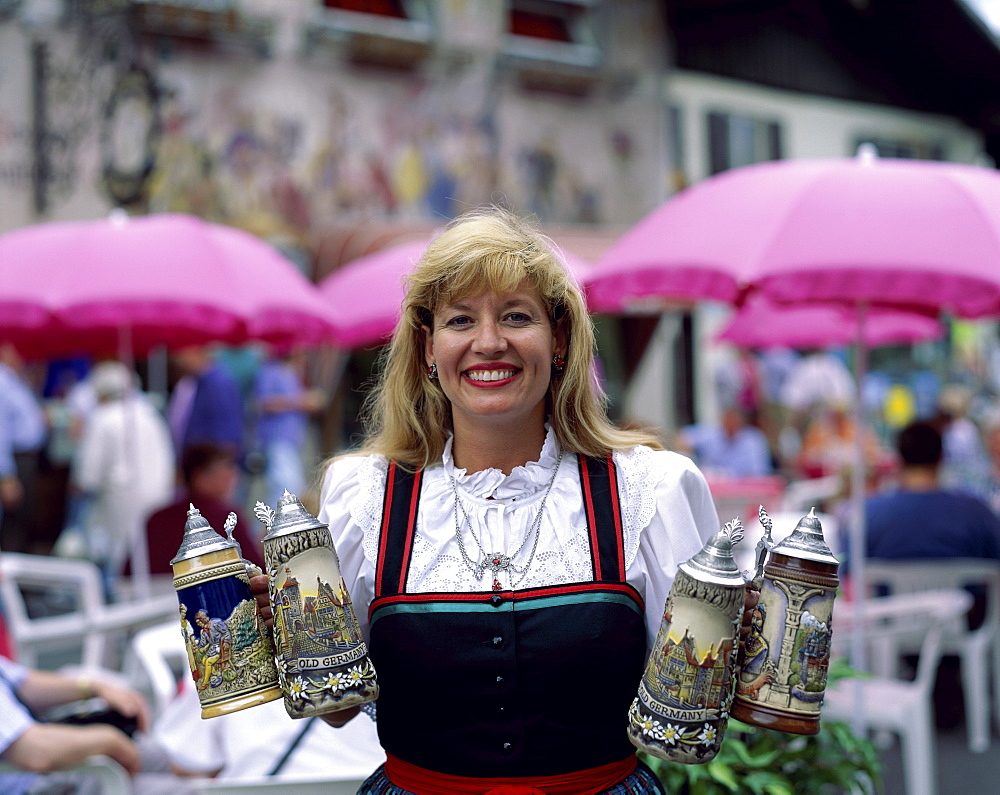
(581, 782)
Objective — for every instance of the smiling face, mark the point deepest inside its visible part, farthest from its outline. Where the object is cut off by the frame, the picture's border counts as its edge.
(494, 358)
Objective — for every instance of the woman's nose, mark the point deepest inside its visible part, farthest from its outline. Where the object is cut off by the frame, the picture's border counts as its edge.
(490, 338)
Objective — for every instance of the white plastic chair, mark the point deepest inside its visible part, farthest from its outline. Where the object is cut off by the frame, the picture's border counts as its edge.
(75, 584)
(978, 649)
(89, 626)
(887, 700)
(155, 661)
(802, 495)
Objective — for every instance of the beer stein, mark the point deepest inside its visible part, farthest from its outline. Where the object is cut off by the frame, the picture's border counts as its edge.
(685, 694)
(783, 672)
(322, 659)
(229, 649)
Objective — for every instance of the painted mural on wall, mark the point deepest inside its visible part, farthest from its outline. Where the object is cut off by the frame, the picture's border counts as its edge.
(284, 146)
(266, 171)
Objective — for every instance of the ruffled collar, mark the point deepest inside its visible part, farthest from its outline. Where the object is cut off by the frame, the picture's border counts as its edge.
(493, 483)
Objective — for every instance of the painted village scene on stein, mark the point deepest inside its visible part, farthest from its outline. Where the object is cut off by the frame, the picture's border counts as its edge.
(686, 691)
(322, 658)
(695, 679)
(310, 619)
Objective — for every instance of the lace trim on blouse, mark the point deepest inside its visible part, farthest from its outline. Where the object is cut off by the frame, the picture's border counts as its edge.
(639, 471)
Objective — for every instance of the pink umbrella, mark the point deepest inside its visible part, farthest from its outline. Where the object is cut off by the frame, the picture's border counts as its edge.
(899, 232)
(127, 284)
(169, 279)
(760, 323)
(861, 233)
(366, 293)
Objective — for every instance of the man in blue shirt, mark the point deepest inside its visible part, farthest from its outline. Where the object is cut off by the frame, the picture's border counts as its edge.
(734, 447)
(283, 407)
(213, 408)
(921, 519)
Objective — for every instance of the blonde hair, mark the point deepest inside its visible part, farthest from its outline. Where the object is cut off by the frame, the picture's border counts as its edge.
(407, 415)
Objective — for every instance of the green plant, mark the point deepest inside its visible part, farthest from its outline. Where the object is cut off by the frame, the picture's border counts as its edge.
(755, 760)
(766, 762)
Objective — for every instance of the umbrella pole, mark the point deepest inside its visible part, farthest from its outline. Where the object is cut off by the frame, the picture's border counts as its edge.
(858, 532)
(138, 551)
(158, 380)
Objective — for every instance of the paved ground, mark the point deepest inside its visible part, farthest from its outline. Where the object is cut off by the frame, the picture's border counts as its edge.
(959, 770)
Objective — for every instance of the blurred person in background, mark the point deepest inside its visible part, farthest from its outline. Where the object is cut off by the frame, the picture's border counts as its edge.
(921, 518)
(733, 447)
(43, 749)
(22, 438)
(283, 407)
(210, 475)
(828, 443)
(124, 467)
(965, 464)
(988, 486)
(817, 378)
(262, 741)
(206, 406)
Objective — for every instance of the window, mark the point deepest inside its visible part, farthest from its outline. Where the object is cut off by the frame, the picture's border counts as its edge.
(913, 149)
(397, 33)
(382, 8)
(735, 141)
(556, 31)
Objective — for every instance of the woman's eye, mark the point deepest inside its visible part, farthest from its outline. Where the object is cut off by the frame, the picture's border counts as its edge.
(458, 321)
(519, 317)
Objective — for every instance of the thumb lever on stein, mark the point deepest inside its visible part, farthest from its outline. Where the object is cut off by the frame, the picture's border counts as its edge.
(762, 550)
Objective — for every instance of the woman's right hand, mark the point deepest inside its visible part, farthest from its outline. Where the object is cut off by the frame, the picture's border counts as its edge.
(341, 717)
(258, 587)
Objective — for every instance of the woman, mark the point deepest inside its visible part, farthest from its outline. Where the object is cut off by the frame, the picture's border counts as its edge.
(513, 580)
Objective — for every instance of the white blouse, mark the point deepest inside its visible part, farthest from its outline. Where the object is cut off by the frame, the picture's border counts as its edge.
(667, 515)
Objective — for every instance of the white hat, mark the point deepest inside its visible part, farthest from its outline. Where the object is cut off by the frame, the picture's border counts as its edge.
(111, 380)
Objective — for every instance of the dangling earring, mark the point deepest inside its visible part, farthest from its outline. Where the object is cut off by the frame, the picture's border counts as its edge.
(558, 364)
(432, 372)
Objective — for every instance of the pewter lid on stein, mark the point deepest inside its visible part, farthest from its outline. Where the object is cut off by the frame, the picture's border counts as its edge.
(199, 538)
(289, 517)
(715, 563)
(806, 542)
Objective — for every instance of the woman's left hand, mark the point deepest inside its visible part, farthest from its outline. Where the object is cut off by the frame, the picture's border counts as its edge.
(259, 591)
(750, 599)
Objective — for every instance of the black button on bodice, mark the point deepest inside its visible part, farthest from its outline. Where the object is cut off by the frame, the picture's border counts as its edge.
(508, 748)
(497, 641)
(499, 680)
(496, 600)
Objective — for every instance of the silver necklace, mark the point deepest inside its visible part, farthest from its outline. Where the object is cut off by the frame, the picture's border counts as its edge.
(499, 561)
